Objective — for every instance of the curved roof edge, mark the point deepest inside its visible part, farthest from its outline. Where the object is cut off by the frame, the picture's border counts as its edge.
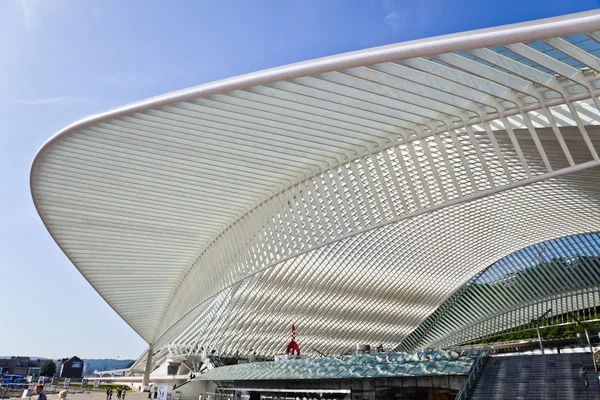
(520, 32)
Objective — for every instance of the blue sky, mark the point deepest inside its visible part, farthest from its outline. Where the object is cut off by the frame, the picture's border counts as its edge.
(61, 60)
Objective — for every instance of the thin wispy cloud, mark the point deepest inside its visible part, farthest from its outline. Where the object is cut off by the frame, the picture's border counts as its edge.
(30, 12)
(409, 16)
(65, 100)
(395, 20)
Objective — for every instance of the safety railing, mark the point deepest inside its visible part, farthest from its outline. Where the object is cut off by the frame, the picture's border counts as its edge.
(474, 375)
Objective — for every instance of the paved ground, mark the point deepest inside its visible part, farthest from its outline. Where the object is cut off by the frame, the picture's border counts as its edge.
(96, 396)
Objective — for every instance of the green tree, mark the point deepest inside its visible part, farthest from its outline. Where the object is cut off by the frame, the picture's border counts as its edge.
(129, 364)
(48, 368)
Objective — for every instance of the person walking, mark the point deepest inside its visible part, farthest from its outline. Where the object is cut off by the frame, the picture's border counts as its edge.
(110, 392)
(63, 395)
(107, 394)
(123, 394)
(119, 393)
(39, 390)
(583, 377)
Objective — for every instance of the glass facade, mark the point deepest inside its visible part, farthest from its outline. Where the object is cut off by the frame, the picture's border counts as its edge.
(417, 388)
(561, 275)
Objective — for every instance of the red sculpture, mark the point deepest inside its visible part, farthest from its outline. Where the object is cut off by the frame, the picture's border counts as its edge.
(292, 347)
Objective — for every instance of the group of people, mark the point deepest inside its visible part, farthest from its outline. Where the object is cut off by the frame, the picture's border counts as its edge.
(120, 394)
(207, 397)
(41, 395)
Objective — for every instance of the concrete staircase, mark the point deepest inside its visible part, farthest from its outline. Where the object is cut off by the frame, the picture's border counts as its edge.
(548, 377)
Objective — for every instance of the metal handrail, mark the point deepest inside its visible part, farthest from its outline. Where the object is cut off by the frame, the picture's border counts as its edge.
(474, 374)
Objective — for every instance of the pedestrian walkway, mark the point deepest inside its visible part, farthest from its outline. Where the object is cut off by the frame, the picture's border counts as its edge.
(91, 395)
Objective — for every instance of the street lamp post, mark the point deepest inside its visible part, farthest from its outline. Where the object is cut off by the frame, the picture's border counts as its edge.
(537, 327)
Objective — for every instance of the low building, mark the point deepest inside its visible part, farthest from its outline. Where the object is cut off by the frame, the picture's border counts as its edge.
(17, 365)
(71, 368)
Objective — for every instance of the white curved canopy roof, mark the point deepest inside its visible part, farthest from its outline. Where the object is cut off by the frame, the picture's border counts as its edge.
(351, 195)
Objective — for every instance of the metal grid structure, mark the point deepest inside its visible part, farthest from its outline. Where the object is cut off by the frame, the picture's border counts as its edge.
(561, 275)
(351, 195)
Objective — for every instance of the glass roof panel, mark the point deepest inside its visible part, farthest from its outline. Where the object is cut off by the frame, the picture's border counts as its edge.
(455, 362)
(552, 52)
(588, 45)
(580, 37)
(516, 57)
(484, 62)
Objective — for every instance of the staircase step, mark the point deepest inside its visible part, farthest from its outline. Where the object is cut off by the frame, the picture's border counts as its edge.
(545, 377)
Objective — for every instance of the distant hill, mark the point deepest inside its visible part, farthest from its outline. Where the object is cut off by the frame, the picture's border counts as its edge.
(30, 357)
(93, 364)
(104, 364)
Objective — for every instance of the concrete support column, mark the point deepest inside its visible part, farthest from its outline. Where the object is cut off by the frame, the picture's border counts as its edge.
(148, 368)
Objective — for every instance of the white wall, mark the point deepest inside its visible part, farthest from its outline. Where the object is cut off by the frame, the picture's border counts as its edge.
(191, 390)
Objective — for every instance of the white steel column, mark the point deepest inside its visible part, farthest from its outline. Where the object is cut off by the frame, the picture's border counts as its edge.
(148, 368)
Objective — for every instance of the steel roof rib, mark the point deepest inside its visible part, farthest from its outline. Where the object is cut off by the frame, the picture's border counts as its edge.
(354, 195)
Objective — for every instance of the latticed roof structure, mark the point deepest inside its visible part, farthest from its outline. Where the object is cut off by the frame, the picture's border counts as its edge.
(352, 195)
